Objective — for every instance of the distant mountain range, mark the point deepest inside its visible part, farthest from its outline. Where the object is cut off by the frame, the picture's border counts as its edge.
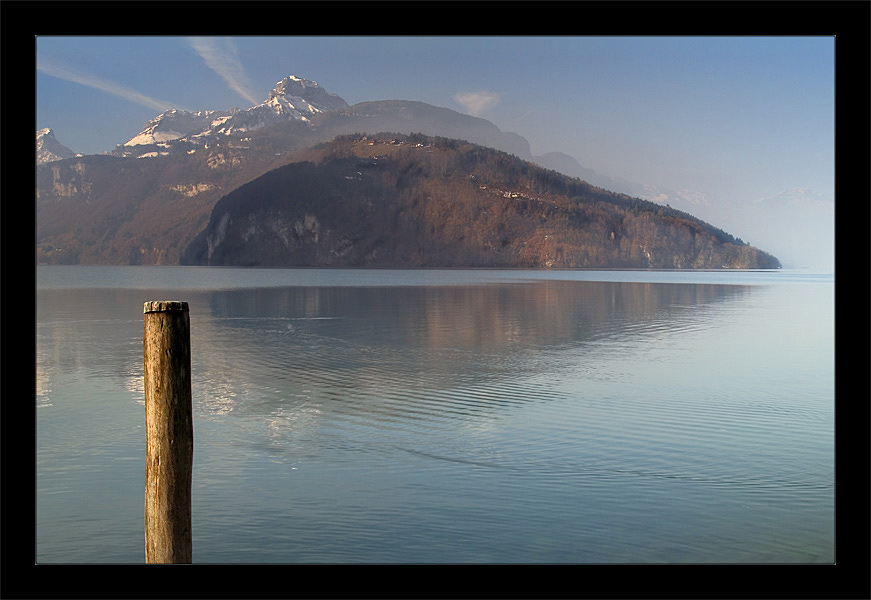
(292, 99)
(147, 200)
(295, 99)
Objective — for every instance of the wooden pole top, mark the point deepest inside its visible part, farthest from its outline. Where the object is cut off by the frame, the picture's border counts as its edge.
(164, 306)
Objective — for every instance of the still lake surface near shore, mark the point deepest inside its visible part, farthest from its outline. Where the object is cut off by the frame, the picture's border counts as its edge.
(449, 416)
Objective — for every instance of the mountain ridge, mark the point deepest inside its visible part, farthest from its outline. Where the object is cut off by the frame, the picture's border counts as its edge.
(417, 201)
(147, 210)
(292, 99)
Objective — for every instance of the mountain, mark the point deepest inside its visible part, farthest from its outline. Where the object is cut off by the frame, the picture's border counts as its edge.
(147, 208)
(407, 117)
(418, 201)
(176, 131)
(294, 99)
(48, 149)
(147, 201)
(171, 126)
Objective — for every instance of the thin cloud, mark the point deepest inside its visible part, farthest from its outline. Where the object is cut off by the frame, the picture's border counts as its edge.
(476, 103)
(221, 56)
(122, 91)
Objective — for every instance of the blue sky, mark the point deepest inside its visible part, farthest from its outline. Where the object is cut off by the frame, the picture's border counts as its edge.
(728, 120)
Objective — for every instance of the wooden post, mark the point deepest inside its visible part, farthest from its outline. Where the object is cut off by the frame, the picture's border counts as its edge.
(169, 446)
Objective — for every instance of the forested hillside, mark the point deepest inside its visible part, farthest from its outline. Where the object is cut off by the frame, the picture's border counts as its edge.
(414, 201)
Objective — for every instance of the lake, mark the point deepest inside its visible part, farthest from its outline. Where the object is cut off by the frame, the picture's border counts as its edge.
(449, 416)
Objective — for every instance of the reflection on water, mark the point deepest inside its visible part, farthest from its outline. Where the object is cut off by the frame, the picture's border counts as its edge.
(543, 313)
(513, 421)
(432, 351)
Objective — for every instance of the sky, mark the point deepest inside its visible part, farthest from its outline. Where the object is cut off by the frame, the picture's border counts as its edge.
(739, 131)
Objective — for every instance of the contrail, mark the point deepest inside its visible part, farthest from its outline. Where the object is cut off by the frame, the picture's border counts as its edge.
(64, 72)
(221, 56)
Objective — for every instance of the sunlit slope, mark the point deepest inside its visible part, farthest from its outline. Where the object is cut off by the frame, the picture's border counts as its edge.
(414, 201)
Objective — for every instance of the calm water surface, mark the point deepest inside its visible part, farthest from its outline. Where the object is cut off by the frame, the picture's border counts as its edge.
(449, 416)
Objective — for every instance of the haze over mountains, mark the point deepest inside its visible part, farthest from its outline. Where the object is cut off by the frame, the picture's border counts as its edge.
(92, 209)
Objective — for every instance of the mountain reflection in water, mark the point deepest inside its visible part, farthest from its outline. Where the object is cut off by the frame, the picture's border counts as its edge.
(414, 342)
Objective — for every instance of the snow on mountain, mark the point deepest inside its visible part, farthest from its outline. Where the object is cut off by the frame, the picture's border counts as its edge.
(317, 97)
(175, 124)
(48, 149)
(292, 98)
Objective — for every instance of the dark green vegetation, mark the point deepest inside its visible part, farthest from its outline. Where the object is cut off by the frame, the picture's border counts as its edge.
(417, 201)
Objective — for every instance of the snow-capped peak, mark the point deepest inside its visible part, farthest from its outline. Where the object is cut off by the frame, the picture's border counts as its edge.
(174, 124)
(292, 99)
(48, 149)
